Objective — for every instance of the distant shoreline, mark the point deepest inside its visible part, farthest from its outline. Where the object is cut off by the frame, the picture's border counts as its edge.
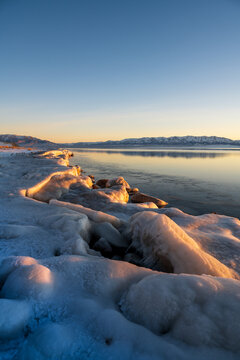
(157, 147)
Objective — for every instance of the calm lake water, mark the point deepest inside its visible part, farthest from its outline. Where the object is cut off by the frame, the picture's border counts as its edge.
(194, 180)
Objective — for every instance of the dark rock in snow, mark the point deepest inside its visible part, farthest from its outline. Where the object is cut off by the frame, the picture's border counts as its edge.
(142, 198)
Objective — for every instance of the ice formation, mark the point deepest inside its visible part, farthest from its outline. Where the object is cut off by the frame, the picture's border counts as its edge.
(68, 289)
(159, 237)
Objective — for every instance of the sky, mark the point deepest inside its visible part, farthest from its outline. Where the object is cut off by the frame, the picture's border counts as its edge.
(88, 70)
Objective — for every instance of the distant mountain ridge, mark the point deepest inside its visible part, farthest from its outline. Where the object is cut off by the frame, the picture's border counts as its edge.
(29, 141)
(173, 140)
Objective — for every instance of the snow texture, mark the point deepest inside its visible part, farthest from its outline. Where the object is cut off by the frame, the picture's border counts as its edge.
(189, 308)
(160, 238)
(69, 291)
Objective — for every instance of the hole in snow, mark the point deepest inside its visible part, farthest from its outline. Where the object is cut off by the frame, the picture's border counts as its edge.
(57, 252)
(108, 341)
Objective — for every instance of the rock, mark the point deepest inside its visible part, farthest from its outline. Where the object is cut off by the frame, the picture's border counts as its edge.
(148, 205)
(142, 198)
(95, 186)
(106, 183)
(92, 178)
(102, 183)
(118, 181)
(132, 191)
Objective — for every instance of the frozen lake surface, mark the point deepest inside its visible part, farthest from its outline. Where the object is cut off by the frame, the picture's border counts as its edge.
(197, 181)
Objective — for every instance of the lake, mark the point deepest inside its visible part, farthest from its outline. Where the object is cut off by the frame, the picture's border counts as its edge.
(195, 180)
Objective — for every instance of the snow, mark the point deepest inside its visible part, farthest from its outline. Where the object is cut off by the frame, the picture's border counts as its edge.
(161, 239)
(11, 326)
(62, 298)
(5, 144)
(189, 308)
(34, 281)
(11, 151)
(96, 216)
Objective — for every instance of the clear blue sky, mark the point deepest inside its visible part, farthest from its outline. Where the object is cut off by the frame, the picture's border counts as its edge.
(110, 69)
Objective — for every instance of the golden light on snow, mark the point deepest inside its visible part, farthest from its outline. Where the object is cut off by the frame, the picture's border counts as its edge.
(40, 274)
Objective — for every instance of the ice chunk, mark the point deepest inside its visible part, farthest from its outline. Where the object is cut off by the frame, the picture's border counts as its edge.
(156, 235)
(109, 233)
(71, 224)
(97, 216)
(103, 245)
(57, 184)
(77, 246)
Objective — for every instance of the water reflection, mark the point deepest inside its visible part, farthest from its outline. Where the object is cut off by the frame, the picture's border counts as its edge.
(162, 154)
(195, 181)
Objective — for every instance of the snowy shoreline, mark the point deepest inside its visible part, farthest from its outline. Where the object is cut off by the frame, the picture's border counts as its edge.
(69, 290)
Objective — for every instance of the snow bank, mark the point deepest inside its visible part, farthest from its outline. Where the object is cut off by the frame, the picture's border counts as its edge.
(72, 311)
(161, 239)
(61, 299)
(199, 310)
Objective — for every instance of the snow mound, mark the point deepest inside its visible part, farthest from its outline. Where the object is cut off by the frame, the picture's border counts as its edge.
(199, 310)
(28, 281)
(14, 315)
(9, 264)
(161, 239)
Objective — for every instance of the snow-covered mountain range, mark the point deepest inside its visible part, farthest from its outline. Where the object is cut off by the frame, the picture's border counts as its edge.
(173, 140)
(29, 141)
(26, 141)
